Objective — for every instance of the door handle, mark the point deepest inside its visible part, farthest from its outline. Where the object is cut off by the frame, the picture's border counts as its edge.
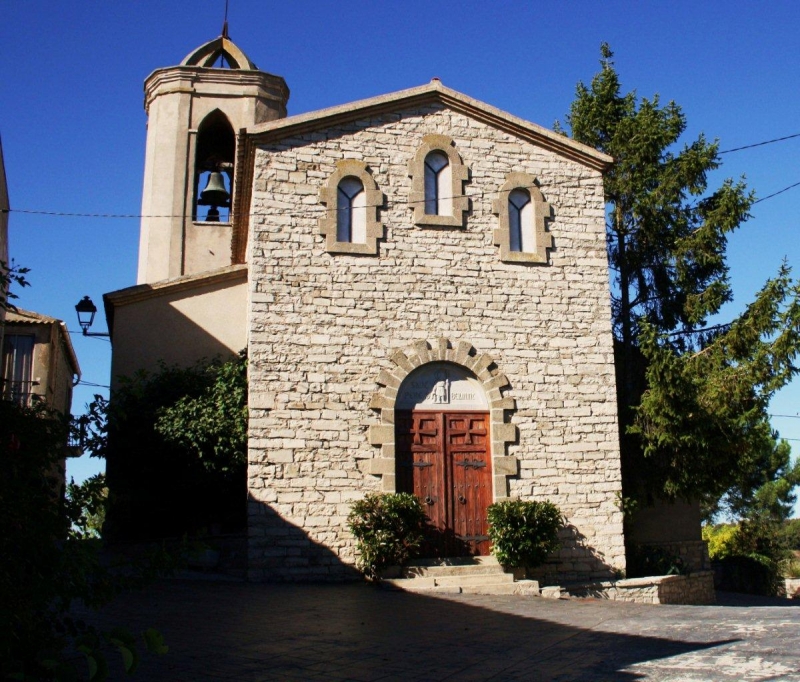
(428, 500)
(462, 499)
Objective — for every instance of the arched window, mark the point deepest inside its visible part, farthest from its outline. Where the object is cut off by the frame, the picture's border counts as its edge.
(522, 214)
(351, 224)
(521, 236)
(351, 211)
(438, 184)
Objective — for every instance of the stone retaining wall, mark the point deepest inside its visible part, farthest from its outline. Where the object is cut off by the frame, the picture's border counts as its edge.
(697, 588)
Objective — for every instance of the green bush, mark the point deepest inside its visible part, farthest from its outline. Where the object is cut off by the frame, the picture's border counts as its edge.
(748, 557)
(721, 539)
(751, 574)
(176, 450)
(389, 530)
(791, 568)
(790, 534)
(524, 533)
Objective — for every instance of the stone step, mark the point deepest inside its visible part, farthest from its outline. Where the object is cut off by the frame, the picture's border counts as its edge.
(468, 575)
(427, 586)
(489, 560)
(528, 588)
(470, 579)
(437, 571)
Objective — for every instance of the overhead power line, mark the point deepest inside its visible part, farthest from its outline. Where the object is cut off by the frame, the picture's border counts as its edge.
(759, 144)
(477, 194)
(92, 384)
(774, 194)
(480, 194)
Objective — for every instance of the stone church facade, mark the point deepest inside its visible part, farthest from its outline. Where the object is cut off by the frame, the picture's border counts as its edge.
(335, 336)
(427, 310)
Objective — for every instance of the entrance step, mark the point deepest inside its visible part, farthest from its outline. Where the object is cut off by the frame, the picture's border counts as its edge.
(471, 575)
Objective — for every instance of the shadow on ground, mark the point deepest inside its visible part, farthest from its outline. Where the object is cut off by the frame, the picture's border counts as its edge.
(249, 632)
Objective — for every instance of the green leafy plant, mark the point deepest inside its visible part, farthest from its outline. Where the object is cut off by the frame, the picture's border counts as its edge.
(175, 442)
(790, 534)
(213, 424)
(749, 556)
(389, 530)
(721, 540)
(749, 573)
(524, 533)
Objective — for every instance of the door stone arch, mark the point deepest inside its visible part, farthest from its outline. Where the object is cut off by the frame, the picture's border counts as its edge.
(488, 377)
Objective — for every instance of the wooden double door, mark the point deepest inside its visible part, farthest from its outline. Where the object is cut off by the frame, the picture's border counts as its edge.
(444, 459)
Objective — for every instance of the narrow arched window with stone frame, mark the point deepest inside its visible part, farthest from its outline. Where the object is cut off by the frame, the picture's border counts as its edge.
(352, 197)
(437, 183)
(351, 211)
(522, 212)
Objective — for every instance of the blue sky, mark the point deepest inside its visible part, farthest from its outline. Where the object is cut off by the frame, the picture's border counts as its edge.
(73, 125)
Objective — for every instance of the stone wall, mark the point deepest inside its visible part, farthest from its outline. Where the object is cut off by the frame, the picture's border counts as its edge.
(696, 588)
(324, 326)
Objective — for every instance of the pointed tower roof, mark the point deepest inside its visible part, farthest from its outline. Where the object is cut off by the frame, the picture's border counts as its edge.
(223, 46)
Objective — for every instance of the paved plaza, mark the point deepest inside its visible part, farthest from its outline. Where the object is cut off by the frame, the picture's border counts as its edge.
(251, 632)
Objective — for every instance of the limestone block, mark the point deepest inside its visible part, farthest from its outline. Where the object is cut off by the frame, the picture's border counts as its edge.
(380, 434)
(508, 466)
(261, 400)
(380, 466)
(422, 350)
(386, 379)
(505, 432)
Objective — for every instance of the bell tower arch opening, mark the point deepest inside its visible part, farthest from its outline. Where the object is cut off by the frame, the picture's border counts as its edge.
(214, 168)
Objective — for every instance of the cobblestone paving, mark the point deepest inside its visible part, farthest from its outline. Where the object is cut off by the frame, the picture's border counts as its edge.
(255, 632)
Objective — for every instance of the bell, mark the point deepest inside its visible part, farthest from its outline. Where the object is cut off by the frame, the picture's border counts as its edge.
(215, 193)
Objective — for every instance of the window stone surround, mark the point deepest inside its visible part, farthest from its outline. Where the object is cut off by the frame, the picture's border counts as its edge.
(459, 174)
(541, 213)
(374, 200)
(492, 381)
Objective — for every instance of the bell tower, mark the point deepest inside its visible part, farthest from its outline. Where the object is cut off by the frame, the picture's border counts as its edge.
(194, 111)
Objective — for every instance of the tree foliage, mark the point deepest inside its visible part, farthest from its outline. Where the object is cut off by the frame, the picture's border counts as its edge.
(692, 398)
(213, 423)
(176, 450)
(11, 274)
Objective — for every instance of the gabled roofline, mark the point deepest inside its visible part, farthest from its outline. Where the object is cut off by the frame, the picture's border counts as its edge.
(433, 92)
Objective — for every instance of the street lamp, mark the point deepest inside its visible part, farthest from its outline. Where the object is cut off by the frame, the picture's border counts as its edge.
(86, 310)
